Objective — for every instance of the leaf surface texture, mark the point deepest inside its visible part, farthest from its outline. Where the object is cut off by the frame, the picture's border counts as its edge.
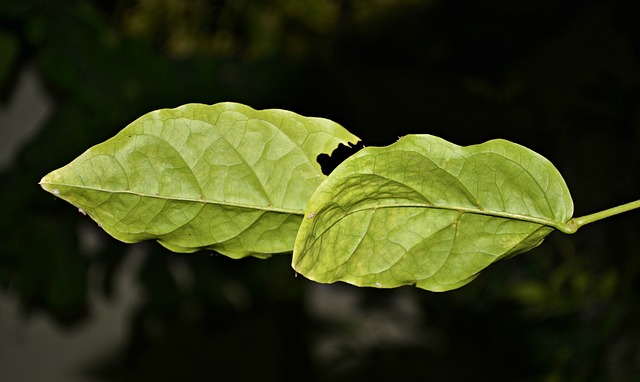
(426, 212)
(223, 177)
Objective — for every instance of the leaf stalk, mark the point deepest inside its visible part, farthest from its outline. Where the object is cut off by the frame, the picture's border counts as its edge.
(574, 224)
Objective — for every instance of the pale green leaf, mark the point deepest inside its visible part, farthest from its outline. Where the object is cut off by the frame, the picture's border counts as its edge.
(429, 213)
(223, 177)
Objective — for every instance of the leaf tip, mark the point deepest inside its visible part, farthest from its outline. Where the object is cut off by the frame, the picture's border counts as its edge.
(46, 185)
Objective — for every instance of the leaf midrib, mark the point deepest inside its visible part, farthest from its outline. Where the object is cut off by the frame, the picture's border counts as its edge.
(478, 211)
(182, 199)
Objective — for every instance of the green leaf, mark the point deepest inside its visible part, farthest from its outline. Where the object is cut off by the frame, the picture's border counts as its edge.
(429, 213)
(223, 177)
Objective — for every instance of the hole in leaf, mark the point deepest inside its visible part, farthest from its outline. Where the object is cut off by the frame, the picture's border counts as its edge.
(329, 162)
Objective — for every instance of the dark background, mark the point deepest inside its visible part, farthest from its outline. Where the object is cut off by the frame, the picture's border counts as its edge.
(560, 77)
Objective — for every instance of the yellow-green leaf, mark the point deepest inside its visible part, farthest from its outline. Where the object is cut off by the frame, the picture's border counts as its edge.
(223, 177)
(429, 213)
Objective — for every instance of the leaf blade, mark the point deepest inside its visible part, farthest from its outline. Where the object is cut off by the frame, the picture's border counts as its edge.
(223, 177)
(435, 213)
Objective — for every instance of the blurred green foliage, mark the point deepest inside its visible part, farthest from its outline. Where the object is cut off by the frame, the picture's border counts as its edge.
(562, 78)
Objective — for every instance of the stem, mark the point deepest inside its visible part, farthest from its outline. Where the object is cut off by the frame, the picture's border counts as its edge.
(572, 225)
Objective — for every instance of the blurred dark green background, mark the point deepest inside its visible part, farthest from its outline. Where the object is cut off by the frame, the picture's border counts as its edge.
(562, 78)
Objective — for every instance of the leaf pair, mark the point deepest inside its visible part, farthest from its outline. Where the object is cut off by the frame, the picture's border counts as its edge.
(243, 182)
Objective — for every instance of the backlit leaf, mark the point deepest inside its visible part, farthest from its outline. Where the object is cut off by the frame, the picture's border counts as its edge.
(223, 177)
(429, 213)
